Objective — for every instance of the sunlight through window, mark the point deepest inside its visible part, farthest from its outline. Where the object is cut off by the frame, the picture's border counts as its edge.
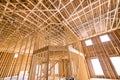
(104, 38)
(97, 67)
(56, 68)
(16, 55)
(116, 63)
(88, 42)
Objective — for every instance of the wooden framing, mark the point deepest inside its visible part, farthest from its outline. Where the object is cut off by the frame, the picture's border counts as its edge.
(40, 32)
(103, 51)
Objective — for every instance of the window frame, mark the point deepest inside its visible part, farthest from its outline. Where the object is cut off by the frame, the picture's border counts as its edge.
(118, 73)
(103, 36)
(87, 42)
(100, 75)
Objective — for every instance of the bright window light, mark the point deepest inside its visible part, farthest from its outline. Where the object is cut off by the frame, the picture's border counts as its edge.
(37, 68)
(22, 73)
(116, 63)
(88, 42)
(56, 68)
(104, 38)
(97, 67)
(49, 66)
(16, 55)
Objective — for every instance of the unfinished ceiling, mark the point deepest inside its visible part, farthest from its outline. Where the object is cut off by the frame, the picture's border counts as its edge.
(81, 18)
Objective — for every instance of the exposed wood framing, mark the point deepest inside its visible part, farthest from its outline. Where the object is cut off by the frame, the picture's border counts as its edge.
(40, 31)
